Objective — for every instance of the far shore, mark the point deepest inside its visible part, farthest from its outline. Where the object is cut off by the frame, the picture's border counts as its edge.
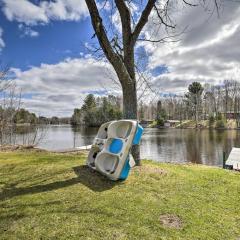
(202, 124)
(168, 124)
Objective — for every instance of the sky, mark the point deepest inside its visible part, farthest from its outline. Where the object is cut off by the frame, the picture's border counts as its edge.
(47, 44)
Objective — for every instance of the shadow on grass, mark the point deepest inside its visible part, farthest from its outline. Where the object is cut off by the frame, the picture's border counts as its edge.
(86, 176)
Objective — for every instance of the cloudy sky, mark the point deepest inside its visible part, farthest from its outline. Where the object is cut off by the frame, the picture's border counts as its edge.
(47, 46)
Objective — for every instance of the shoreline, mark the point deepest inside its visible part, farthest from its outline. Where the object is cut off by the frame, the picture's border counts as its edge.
(199, 128)
(202, 124)
(74, 151)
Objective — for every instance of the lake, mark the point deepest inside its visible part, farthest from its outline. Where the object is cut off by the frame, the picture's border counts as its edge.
(163, 145)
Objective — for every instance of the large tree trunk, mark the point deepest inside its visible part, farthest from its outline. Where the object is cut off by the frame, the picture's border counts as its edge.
(129, 101)
(130, 112)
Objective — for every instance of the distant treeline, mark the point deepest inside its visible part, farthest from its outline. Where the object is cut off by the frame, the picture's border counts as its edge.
(23, 116)
(215, 103)
(97, 110)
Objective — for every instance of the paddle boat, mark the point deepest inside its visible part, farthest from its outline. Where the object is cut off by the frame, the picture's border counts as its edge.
(110, 151)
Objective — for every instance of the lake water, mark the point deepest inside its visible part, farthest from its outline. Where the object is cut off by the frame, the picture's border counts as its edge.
(163, 145)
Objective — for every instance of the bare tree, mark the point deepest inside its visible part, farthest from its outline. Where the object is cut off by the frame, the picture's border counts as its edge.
(9, 103)
(120, 51)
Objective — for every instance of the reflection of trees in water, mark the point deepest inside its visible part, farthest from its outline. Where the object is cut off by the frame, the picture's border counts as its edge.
(237, 142)
(160, 141)
(25, 129)
(232, 139)
(207, 146)
(224, 140)
(180, 145)
(24, 135)
(83, 135)
(220, 136)
(193, 145)
(175, 145)
(212, 147)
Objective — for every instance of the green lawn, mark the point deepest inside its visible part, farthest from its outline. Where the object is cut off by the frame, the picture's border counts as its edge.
(54, 196)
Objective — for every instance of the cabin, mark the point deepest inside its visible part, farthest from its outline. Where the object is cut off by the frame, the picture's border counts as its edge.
(232, 114)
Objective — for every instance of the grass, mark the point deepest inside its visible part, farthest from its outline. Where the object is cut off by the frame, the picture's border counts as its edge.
(54, 196)
(230, 124)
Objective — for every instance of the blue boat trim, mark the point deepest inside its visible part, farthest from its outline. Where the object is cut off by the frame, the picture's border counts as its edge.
(125, 171)
(138, 135)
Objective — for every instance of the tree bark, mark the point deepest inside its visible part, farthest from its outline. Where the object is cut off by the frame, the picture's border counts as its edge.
(130, 112)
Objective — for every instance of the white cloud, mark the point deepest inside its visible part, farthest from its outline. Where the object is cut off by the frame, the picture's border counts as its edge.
(208, 52)
(27, 31)
(24, 11)
(2, 44)
(65, 9)
(58, 89)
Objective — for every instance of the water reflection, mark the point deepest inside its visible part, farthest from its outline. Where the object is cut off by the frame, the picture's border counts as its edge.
(164, 145)
(188, 145)
(83, 136)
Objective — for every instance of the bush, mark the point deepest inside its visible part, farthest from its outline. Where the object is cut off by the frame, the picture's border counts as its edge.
(220, 124)
(211, 121)
(160, 122)
(219, 116)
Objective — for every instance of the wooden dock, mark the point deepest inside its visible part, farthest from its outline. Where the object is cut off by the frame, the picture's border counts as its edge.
(233, 160)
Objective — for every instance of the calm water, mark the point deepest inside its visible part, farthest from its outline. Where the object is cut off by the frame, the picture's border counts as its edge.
(164, 145)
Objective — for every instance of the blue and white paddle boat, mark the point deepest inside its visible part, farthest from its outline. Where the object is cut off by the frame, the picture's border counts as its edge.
(110, 152)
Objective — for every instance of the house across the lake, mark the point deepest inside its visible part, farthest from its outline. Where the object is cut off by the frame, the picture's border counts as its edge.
(232, 114)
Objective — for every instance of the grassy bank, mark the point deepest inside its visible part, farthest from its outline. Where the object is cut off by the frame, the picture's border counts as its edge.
(229, 124)
(54, 196)
(203, 124)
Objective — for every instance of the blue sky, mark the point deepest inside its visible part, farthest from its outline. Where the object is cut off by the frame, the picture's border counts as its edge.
(45, 43)
(56, 41)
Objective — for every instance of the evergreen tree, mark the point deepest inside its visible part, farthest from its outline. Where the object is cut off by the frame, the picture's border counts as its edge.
(194, 97)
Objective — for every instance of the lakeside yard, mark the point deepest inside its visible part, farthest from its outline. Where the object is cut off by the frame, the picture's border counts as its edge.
(54, 196)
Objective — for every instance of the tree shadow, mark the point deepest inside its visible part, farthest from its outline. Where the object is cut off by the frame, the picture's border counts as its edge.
(86, 176)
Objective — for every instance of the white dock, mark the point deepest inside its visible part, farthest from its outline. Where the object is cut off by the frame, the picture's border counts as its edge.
(234, 159)
(84, 147)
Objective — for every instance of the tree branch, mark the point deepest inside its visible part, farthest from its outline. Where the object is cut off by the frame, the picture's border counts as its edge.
(143, 19)
(161, 18)
(190, 4)
(125, 20)
(100, 32)
(104, 42)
